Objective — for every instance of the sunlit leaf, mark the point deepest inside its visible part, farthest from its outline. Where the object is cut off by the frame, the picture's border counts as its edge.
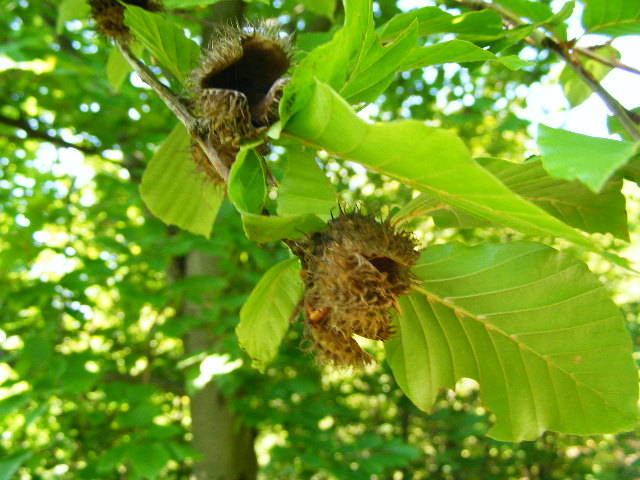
(574, 87)
(332, 61)
(188, 3)
(533, 326)
(614, 125)
(175, 191)
(612, 17)
(540, 13)
(305, 189)
(118, 68)
(429, 159)
(571, 202)
(574, 156)
(376, 67)
(164, 40)
(247, 192)
(264, 318)
(262, 228)
(457, 51)
(246, 187)
(483, 24)
(171, 4)
(534, 11)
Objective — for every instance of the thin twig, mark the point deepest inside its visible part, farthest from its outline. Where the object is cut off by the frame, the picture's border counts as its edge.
(625, 117)
(171, 100)
(177, 106)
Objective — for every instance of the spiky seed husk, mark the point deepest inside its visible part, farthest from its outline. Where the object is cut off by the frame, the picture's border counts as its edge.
(238, 85)
(353, 273)
(229, 120)
(109, 15)
(203, 164)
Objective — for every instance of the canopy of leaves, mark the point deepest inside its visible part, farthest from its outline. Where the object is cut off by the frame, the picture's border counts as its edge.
(97, 367)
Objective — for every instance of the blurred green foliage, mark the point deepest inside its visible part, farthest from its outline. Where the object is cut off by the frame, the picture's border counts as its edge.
(94, 379)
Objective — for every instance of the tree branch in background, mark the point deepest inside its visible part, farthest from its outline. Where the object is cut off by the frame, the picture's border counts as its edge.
(626, 118)
(44, 135)
(587, 52)
(177, 106)
(614, 106)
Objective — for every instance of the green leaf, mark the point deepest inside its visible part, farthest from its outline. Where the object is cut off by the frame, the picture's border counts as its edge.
(534, 11)
(10, 464)
(175, 191)
(428, 159)
(323, 8)
(574, 156)
(247, 189)
(533, 326)
(305, 189)
(110, 459)
(457, 51)
(141, 415)
(173, 4)
(175, 52)
(612, 17)
(541, 14)
(170, 4)
(571, 202)
(264, 318)
(376, 67)
(118, 68)
(485, 24)
(10, 404)
(614, 125)
(574, 87)
(148, 459)
(331, 62)
(71, 10)
(261, 228)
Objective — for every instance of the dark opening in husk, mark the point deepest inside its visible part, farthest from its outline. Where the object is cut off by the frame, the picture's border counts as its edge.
(238, 85)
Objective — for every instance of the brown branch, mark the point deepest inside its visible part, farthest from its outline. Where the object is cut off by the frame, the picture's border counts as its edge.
(22, 124)
(625, 117)
(178, 107)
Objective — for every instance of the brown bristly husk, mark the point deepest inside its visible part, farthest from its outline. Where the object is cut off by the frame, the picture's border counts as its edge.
(238, 84)
(353, 273)
(203, 164)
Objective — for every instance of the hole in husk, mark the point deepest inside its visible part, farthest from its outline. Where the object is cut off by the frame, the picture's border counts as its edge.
(263, 62)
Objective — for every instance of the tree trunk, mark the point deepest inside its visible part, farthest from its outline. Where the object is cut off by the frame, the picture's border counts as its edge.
(226, 446)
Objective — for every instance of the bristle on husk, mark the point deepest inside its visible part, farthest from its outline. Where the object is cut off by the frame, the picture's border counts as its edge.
(238, 85)
(353, 273)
